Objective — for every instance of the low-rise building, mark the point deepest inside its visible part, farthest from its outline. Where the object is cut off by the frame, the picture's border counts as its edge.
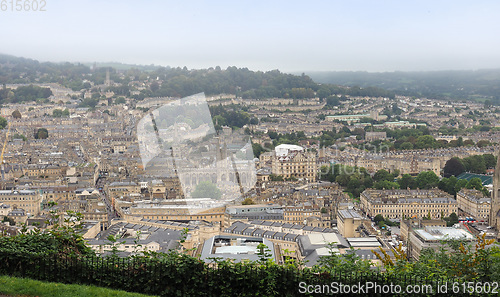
(4, 210)
(18, 216)
(473, 203)
(298, 214)
(136, 238)
(236, 248)
(269, 212)
(292, 161)
(371, 136)
(349, 222)
(199, 209)
(29, 200)
(117, 189)
(400, 204)
(432, 238)
(407, 226)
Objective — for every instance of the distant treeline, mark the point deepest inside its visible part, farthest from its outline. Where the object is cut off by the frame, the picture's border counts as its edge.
(24, 93)
(458, 85)
(179, 82)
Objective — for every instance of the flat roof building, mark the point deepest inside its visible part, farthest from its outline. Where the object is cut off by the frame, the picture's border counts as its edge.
(432, 237)
(348, 222)
(237, 248)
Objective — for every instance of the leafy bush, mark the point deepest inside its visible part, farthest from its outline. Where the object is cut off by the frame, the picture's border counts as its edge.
(60, 254)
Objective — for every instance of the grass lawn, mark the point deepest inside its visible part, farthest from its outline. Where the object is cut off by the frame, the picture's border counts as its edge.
(14, 286)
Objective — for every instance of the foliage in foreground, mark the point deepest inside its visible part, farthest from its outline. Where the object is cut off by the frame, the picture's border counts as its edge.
(455, 259)
(61, 255)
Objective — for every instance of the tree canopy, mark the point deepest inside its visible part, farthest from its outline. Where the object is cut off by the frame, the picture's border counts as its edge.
(474, 164)
(453, 167)
(16, 114)
(58, 113)
(206, 189)
(41, 133)
(3, 122)
(427, 180)
(248, 201)
(24, 93)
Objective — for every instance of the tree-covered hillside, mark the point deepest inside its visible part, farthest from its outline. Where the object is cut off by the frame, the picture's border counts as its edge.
(479, 85)
(175, 82)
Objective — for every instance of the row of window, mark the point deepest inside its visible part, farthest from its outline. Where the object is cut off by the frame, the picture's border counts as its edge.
(17, 198)
(185, 217)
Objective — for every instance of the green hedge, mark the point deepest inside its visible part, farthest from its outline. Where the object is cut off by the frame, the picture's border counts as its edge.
(176, 274)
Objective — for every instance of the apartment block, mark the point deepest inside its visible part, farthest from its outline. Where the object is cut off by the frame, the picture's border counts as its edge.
(400, 204)
(473, 203)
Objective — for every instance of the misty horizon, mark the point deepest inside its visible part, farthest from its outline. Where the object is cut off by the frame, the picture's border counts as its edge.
(382, 36)
(298, 72)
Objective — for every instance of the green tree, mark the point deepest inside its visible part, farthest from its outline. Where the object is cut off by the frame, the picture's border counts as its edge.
(257, 149)
(343, 179)
(120, 100)
(16, 114)
(448, 184)
(41, 133)
(58, 113)
(342, 263)
(425, 141)
(354, 183)
(3, 122)
(483, 143)
(383, 174)
(274, 177)
(427, 180)
(406, 146)
(9, 220)
(385, 185)
(264, 253)
(90, 102)
(30, 93)
(460, 184)
(453, 167)
(206, 189)
(19, 136)
(332, 101)
(323, 92)
(407, 181)
(248, 201)
(490, 161)
(474, 183)
(378, 218)
(477, 164)
(451, 220)
(154, 86)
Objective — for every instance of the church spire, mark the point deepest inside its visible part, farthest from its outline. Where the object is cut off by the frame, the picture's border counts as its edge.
(494, 219)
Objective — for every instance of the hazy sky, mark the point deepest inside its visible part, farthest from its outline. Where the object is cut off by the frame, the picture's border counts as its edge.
(370, 35)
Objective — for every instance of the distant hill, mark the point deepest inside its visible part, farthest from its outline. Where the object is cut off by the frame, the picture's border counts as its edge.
(122, 66)
(477, 85)
(173, 82)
